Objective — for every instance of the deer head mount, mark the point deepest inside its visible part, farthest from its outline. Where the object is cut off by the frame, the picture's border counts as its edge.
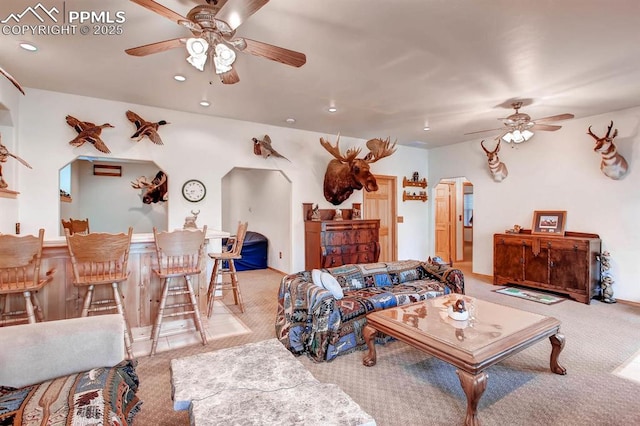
(613, 165)
(346, 173)
(497, 168)
(154, 191)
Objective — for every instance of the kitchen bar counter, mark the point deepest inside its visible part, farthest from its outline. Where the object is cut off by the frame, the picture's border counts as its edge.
(60, 299)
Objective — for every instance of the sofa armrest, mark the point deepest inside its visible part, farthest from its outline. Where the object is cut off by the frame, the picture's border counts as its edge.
(304, 315)
(451, 277)
(33, 353)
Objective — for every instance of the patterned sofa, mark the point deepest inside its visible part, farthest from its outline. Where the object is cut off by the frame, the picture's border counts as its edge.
(310, 320)
(67, 372)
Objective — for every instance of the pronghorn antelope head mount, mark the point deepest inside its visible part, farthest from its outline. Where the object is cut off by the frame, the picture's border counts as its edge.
(613, 165)
(497, 168)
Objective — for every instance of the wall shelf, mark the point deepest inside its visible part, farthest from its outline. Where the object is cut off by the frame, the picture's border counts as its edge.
(7, 193)
(422, 183)
(65, 199)
(421, 196)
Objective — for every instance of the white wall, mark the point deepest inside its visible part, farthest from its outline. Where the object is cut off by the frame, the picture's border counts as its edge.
(196, 146)
(263, 199)
(556, 171)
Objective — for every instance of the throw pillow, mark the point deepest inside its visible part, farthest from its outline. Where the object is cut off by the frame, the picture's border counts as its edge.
(330, 283)
(315, 277)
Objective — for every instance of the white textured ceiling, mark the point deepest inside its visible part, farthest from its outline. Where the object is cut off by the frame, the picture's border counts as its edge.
(389, 67)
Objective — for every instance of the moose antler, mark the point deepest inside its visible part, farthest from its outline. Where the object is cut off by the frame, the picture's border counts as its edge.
(379, 149)
(351, 154)
(140, 183)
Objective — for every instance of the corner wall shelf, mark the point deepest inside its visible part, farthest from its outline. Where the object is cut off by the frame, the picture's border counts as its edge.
(7, 193)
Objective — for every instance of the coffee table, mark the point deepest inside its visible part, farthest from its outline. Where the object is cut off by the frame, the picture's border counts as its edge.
(492, 333)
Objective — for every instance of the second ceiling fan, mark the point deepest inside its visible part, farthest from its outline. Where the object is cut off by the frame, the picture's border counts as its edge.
(519, 127)
(213, 27)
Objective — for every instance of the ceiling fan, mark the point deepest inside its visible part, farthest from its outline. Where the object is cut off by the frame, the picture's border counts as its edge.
(519, 127)
(213, 27)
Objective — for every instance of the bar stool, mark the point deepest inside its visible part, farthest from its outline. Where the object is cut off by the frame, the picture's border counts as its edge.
(98, 259)
(76, 226)
(179, 255)
(230, 252)
(20, 259)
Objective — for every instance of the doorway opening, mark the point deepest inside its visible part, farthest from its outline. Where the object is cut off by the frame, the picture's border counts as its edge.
(454, 221)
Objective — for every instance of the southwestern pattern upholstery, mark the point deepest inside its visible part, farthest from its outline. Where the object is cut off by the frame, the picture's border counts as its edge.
(101, 396)
(311, 321)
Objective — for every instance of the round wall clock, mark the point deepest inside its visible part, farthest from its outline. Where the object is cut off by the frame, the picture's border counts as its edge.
(193, 190)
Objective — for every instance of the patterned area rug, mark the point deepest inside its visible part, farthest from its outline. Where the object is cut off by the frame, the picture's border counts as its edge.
(546, 298)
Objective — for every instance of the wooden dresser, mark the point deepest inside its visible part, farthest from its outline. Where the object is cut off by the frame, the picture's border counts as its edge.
(330, 243)
(564, 264)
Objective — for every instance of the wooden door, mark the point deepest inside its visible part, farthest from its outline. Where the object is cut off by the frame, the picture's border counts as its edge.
(382, 205)
(444, 235)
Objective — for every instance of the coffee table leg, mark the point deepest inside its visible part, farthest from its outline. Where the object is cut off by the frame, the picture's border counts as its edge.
(557, 344)
(369, 334)
(473, 386)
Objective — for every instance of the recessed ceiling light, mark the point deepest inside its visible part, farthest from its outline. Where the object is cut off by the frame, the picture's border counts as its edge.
(28, 46)
(179, 77)
(426, 128)
(205, 103)
(290, 120)
(333, 109)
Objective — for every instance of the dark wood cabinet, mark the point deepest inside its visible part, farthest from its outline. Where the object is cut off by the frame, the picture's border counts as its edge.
(330, 243)
(563, 264)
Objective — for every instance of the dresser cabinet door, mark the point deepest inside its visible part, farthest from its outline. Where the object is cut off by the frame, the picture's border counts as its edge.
(507, 259)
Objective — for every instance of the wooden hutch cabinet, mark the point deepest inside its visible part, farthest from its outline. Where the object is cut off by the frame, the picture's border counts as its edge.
(330, 243)
(563, 264)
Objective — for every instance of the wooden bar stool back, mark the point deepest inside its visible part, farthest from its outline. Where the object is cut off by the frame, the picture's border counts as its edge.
(76, 226)
(230, 252)
(179, 255)
(98, 259)
(20, 259)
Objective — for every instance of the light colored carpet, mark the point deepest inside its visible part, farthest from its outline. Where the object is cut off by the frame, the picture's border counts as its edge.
(408, 387)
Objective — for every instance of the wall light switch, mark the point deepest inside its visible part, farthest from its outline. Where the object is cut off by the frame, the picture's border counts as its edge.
(400, 219)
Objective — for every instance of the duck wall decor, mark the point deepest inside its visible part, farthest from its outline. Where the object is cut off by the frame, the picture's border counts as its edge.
(4, 156)
(88, 132)
(145, 128)
(263, 147)
(12, 80)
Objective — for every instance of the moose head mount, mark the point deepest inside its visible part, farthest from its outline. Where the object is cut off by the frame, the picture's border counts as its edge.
(497, 168)
(346, 173)
(154, 191)
(613, 165)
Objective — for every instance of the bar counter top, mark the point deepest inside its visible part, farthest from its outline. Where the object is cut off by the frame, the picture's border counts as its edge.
(135, 238)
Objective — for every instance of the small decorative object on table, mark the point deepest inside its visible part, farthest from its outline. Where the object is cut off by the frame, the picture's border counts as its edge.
(315, 213)
(190, 221)
(356, 212)
(458, 311)
(606, 281)
(338, 215)
(515, 230)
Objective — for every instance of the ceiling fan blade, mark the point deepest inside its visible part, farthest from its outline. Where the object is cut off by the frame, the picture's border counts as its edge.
(160, 46)
(230, 77)
(547, 127)
(554, 118)
(235, 12)
(161, 10)
(275, 53)
(482, 131)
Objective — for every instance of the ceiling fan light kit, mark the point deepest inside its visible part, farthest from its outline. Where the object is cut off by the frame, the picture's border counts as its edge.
(517, 136)
(223, 58)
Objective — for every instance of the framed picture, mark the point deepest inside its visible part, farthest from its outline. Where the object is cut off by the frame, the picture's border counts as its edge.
(549, 222)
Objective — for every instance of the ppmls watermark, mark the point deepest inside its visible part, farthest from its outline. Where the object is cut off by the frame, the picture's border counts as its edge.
(57, 20)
